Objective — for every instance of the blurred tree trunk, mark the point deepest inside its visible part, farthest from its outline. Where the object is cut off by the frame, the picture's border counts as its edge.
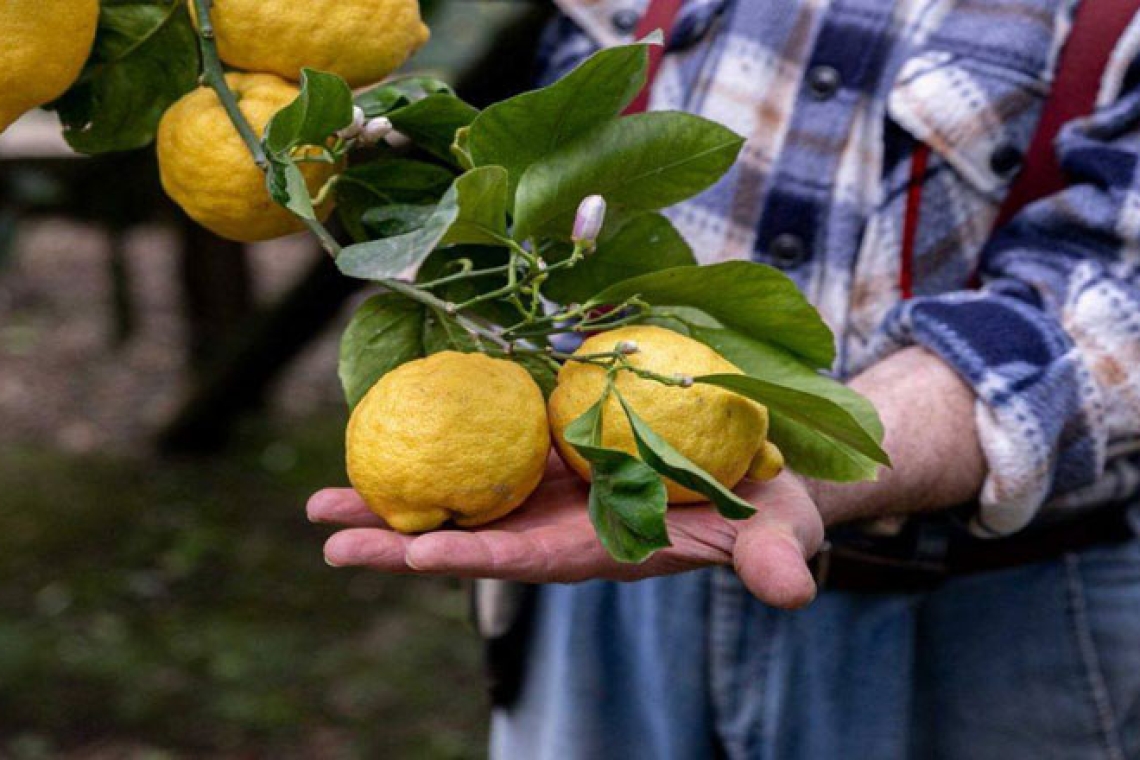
(217, 293)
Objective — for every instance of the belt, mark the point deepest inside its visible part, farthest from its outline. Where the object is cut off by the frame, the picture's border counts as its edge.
(930, 552)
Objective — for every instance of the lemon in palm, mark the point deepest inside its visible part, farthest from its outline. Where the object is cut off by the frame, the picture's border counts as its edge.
(208, 171)
(720, 431)
(361, 40)
(460, 437)
(46, 43)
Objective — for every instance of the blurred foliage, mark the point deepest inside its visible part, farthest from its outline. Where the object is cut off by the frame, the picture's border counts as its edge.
(184, 607)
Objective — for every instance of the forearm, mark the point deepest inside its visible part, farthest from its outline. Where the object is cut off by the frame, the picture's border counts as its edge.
(928, 416)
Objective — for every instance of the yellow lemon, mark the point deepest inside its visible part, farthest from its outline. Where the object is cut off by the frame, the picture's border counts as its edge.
(208, 171)
(720, 431)
(361, 40)
(46, 43)
(453, 436)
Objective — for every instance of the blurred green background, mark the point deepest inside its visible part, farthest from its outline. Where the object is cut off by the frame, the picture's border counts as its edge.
(168, 401)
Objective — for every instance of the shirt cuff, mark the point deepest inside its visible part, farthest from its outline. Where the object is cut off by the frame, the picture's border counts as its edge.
(1037, 404)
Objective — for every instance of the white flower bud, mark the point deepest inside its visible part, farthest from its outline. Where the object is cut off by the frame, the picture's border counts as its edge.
(628, 347)
(375, 130)
(588, 222)
(353, 129)
(685, 381)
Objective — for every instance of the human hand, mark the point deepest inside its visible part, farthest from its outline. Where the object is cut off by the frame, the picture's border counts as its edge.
(550, 540)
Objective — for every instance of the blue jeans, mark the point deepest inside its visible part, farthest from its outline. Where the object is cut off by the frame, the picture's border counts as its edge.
(1034, 663)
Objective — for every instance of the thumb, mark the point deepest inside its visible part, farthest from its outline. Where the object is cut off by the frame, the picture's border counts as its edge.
(773, 547)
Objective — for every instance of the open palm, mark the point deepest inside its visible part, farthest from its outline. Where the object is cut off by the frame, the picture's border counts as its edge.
(550, 540)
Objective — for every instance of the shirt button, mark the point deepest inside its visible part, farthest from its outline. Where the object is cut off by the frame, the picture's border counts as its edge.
(1005, 159)
(823, 82)
(625, 20)
(787, 250)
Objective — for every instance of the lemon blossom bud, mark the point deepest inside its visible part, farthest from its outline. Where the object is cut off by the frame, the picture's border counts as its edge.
(357, 125)
(588, 222)
(375, 130)
(685, 381)
(628, 347)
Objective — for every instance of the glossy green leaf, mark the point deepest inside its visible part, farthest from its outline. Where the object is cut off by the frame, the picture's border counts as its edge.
(432, 123)
(144, 59)
(666, 460)
(323, 106)
(648, 242)
(384, 332)
(397, 93)
(519, 131)
(471, 211)
(806, 450)
(395, 219)
(642, 162)
(755, 300)
(627, 499)
(816, 412)
(387, 181)
(286, 185)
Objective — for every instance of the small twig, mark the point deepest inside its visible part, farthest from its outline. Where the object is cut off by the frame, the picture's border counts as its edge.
(214, 76)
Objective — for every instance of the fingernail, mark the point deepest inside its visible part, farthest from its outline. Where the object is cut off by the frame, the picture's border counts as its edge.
(329, 562)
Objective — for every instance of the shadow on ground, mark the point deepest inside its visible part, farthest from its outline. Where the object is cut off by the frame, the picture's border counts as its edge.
(182, 609)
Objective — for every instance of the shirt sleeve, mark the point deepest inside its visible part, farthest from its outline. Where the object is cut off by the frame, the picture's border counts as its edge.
(1051, 343)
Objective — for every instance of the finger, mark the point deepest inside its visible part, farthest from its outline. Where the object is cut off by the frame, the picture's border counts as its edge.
(341, 506)
(558, 554)
(773, 547)
(771, 563)
(382, 550)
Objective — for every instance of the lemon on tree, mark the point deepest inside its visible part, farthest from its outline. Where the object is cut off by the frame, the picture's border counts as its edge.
(719, 431)
(453, 436)
(45, 45)
(208, 171)
(363, 41)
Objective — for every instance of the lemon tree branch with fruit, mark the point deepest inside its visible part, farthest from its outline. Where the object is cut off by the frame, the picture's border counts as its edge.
(529, 289)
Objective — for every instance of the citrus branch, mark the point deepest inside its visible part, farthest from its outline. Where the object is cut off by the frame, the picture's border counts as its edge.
(214, 76)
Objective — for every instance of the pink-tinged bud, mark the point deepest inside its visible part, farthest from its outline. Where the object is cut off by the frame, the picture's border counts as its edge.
(628, 347)
(375, 130)
(354, 129)
(588, 222)
(685, 381)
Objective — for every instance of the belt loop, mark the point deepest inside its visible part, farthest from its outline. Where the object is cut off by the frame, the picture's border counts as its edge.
(820, 565)
(932, 546)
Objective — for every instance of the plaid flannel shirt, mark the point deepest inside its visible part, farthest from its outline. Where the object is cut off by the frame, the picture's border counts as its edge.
(833, 96)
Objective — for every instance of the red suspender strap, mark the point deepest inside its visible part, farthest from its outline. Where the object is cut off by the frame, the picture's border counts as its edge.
(1097, 26)
(661, 14)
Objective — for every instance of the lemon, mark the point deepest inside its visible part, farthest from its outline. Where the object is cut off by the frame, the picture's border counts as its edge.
(46, 43)
(208, 171)
(453, 436)
(361, 40)
(720, 431)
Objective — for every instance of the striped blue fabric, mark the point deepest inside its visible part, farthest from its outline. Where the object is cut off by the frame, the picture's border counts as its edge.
(833, 96)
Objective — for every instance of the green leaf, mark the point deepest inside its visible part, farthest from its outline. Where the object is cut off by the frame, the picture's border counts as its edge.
(820, 414)
(286, 185)
(443, 333)
(517, 132)
(387, 181)
(385, 332)
(397, 93)
(627, 499)
(395, 219)
(144, 59)
(663, 458)
(645, 243)
(545, 376)
(482, 218)
(432, 123)
(323, 106)
(806, 450)
(642, 162)
(755, 300)
(473, 210)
